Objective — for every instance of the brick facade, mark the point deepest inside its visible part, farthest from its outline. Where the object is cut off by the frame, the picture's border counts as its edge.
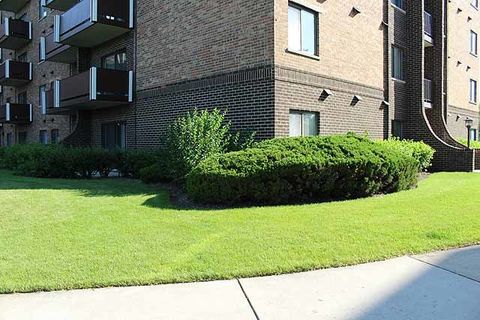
(234, 56)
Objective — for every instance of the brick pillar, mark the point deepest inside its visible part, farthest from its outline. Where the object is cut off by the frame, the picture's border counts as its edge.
(429, 126)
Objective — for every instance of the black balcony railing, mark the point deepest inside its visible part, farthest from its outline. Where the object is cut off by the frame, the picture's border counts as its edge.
(16, 113)
(12, 5)
(428, 27)
(14, 33)
(15, 73)
(56, 52)
(61, 5)
(428, 92)
(92, 22)
(94, 89)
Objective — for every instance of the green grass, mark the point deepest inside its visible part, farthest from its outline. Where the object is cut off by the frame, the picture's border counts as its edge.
(61, 234)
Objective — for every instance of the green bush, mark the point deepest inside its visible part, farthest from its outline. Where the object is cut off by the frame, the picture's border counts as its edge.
(473, 144)
(295, 170)
(419, 150)
(59, 161)
(197, 136)
(155, 173)
(133, 161)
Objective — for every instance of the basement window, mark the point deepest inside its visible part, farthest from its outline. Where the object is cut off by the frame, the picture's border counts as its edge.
(303, 124)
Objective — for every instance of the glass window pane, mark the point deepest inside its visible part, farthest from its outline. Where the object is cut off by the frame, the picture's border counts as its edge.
(294, 29)
(295, 125)
(308, 32)
(109, 62)
(310, 127)
(121, 61)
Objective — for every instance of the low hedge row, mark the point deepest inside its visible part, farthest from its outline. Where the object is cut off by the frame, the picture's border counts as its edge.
(58, 161)
(294, 170)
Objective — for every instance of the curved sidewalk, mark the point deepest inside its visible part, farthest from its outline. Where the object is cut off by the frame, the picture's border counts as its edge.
(441, 285)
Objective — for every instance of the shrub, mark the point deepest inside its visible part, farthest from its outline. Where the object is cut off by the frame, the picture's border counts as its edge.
(302, 169)
(419, 150)
(197, 136)
(58, 161)
(133, 161)
(473, 143)
(155, 173)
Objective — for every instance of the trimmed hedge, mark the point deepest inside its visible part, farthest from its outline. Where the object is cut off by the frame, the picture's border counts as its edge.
(294, 170)
(59, 161)
(419, 150)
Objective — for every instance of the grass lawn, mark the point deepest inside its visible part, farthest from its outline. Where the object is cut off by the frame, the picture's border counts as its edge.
(62, 234)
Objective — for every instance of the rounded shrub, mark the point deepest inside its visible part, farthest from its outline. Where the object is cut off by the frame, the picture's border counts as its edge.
(417, 149)
(294, 170)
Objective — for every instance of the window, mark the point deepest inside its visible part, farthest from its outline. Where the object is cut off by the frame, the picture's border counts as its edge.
(42, 11)
(9, 139)
(54, 136)
(473, 134)
(114, 135)
(399, 4)
(22, 97)
(474, 3)
(22, 57)
(473, 43)
(473, 91)
(22, 137)
(42, 99)
(302, 30)
(303, 124)
(116, 61)
(397, 129)
(43, 136)
(398, 63)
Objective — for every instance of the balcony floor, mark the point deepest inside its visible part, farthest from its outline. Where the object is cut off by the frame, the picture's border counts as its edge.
(9, 82)
(12, 5)
(61, 5)
(13, 43)
(93, 35)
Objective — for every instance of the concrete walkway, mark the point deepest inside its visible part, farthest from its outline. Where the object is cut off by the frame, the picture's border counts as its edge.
(442, 285)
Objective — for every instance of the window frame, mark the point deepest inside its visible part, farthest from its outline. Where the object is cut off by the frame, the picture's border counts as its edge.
(302, 125)
(114, 55)
(401, 7)
(118, 145)
(474, 4)
(40, 136)
(42, 11)
(473, 93)
(473, 46)
(396, 48)
(316, 36)
(56, 135)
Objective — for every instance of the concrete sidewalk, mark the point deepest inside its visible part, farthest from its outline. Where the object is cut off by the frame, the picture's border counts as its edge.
(442, 285)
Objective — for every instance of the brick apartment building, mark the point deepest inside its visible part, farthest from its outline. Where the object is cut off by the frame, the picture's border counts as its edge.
(114, 73)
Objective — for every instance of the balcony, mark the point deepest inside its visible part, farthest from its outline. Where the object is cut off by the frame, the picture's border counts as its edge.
(428, 29)
(16, 113)
(56, 52)
(15, 73)
(61, 5)
(15, 34)
(93, 22)
(95, 89)
(12, 5)
(428, 93)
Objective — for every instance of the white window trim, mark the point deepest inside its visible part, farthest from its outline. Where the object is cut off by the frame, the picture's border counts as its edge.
(316, 9)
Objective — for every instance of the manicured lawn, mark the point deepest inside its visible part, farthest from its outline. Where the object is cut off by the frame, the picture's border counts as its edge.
(60, 234)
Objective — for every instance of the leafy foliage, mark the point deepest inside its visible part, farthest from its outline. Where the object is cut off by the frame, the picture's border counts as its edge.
(419, 150)
(303, 169)
(197, 136)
